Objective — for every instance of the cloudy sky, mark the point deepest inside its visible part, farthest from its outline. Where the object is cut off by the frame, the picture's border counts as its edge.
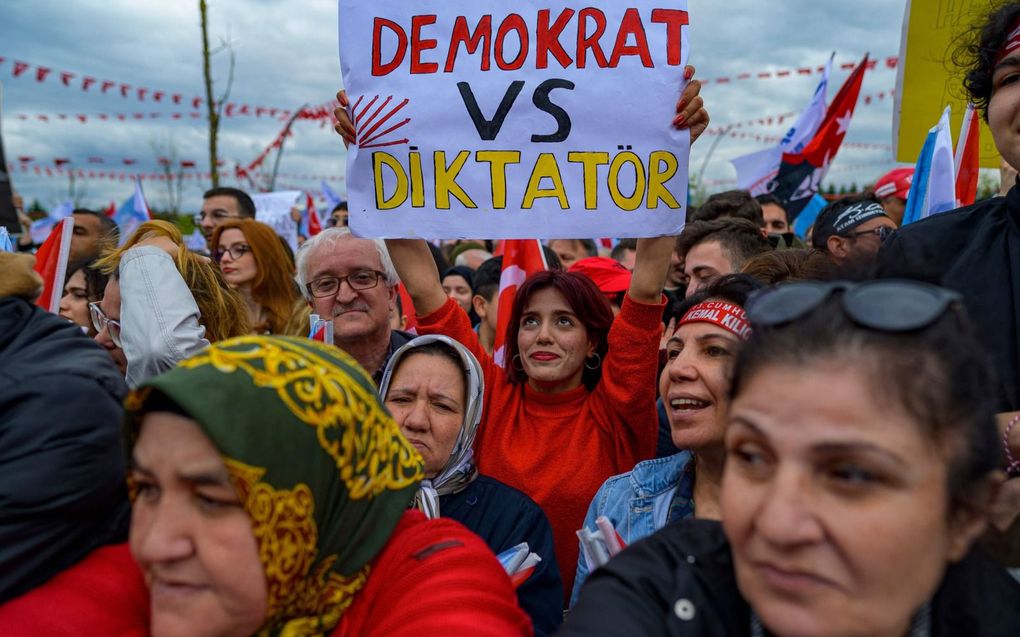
(286, 56)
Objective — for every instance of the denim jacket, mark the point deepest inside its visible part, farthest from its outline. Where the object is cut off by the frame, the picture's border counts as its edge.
(160, 321)
(636, 502)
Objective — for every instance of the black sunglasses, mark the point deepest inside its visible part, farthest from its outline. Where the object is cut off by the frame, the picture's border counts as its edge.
(888, 305)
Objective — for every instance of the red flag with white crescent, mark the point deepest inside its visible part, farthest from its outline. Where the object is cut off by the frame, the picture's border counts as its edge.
(521, 259)
(51, 264)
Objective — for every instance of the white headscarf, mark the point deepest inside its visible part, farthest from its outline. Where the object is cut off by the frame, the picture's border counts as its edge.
(460, 469)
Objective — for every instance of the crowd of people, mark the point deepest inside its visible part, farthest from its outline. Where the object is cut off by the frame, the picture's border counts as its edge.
(736, 431)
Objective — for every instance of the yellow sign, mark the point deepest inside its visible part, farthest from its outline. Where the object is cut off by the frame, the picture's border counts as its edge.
(927, 79)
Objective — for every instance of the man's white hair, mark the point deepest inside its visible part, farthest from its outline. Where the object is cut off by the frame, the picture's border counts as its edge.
(329, 239)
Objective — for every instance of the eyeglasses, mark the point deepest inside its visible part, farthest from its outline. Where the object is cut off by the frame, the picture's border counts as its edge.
(101, 322)
(358, 280)
(890, 305)
(235, 252)
(883, 233)
(216, 215)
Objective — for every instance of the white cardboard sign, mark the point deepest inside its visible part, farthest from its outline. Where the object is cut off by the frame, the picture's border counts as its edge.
(528, 119)
(273, 209)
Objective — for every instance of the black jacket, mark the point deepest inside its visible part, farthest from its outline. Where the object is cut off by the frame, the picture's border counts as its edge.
(686, 569)
(62, 486)
(504, 517)
(975, 251)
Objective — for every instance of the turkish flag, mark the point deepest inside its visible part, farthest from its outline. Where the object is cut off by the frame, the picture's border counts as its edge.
(51, 264)
(801, 174)
(314, 225)
(521, 259)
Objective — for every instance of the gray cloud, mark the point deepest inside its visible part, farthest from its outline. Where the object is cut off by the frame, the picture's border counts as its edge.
(286, 55)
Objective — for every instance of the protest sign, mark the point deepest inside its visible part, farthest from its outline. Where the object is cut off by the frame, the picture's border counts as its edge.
(274, 210)
(927, 81)
(540, 119)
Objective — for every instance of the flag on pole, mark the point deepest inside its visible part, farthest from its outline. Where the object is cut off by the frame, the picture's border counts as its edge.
(934, 187)
(521, 259)
(310, 223)
(407, 307)
(51, 264)
(756, 170)
(41, 228)
(968, 158)
(332, 199)
(5, 240)
(132, 213)
(800, 174)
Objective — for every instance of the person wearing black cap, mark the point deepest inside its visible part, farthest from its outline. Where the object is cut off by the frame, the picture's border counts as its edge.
(851, 230)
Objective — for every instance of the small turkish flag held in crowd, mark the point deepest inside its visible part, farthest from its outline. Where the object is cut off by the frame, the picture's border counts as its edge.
(51, 264)
(521, 259)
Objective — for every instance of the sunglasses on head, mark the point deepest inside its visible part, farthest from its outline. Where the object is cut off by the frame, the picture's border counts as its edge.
(889, 305)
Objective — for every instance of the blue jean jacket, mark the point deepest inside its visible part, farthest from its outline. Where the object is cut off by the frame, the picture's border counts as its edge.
(637, 503)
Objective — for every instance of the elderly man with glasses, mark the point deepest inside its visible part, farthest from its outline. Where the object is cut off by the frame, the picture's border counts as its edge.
(353, 282)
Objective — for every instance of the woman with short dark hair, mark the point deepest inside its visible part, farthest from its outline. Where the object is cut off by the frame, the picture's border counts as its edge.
(861, 458)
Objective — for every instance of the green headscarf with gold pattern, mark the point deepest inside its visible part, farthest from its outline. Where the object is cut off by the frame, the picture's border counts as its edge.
(319, 465)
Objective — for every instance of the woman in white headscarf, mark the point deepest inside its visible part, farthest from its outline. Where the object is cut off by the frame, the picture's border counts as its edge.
(433, 387)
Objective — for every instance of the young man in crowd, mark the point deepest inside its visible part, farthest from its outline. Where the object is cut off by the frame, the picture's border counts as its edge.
(221, 204)
(623, 253)
(572, 250)
(711, 249)
(732, 204)
(93, 232)
(485, 300)
(776, 221)
(891, 191)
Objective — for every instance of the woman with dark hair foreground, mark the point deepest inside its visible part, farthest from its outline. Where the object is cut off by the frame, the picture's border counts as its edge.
(433, 386)
(861, 460)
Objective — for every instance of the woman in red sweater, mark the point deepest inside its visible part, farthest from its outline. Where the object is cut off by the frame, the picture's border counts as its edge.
(577, 404)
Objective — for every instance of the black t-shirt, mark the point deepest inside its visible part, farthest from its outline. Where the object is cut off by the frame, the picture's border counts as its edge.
(976, 251)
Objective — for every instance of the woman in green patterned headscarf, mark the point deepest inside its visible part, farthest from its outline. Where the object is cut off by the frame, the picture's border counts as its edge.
(267, 477)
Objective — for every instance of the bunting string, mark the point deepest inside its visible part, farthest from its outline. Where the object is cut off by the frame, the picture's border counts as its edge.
(890, 62)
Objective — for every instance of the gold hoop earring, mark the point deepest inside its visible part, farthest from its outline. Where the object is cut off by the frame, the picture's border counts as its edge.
(515, 360)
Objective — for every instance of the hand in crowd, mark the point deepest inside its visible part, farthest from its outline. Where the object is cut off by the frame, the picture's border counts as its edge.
(161, 242)
(690, 111)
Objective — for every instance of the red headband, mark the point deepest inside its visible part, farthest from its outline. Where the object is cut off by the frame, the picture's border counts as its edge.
(731, 318)
(1011, 44)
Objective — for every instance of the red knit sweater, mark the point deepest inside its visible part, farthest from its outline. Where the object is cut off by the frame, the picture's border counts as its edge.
(560, 448)
(435, 578)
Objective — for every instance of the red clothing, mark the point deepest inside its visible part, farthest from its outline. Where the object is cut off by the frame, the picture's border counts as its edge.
(560, 448)
(104, 595)
(434, 578)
